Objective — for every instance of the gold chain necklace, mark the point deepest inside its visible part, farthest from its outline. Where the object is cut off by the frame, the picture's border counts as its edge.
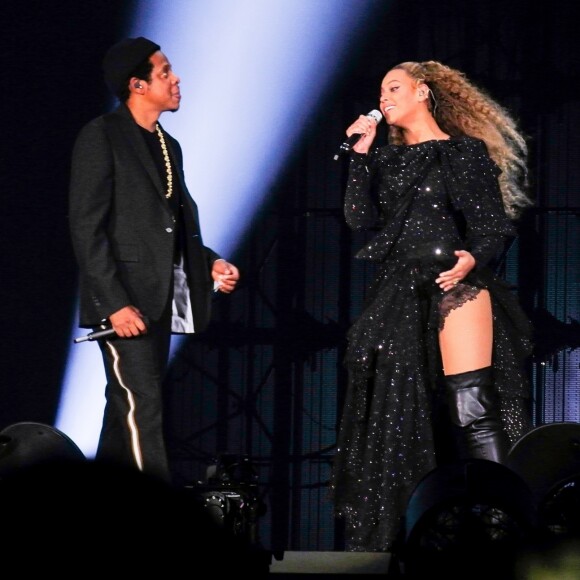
(167, 162)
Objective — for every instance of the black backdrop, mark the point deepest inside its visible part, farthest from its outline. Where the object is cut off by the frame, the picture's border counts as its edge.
(283, 329)
(51, 54)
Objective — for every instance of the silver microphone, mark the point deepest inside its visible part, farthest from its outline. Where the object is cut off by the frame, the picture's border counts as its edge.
(353, 139)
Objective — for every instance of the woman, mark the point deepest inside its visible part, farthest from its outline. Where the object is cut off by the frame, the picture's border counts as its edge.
(441, 339)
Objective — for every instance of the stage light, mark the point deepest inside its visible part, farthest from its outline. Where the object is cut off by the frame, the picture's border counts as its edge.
(467, 520)
(253, 73)
(28, 444)
(548, 459)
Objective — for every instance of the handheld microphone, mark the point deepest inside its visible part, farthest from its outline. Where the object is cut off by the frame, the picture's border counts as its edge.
(97, 334)
(353, 139)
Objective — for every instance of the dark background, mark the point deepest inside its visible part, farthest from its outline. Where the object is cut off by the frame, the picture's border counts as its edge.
(51, 85)
(266, 381)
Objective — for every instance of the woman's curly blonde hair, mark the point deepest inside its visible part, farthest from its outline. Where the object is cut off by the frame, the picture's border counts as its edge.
(459, 107)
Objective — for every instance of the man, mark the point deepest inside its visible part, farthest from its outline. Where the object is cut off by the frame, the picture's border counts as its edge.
(144, 271)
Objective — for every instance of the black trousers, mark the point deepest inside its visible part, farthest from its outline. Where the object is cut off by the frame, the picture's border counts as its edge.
(132, 431)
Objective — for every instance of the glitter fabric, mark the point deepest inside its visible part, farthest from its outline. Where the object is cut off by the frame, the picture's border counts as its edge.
(425, 201)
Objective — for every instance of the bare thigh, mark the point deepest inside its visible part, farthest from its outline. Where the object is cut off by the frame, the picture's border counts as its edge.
(467, 336)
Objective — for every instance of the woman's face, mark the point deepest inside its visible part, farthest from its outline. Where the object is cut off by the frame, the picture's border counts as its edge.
(401, 98)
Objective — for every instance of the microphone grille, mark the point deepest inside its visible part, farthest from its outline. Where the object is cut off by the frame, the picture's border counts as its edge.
(376, 115)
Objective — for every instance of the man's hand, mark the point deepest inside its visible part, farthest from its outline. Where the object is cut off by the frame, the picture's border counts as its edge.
(225, 275)
(128, 322)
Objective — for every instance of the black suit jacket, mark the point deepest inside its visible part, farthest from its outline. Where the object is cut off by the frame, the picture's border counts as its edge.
(122, 228)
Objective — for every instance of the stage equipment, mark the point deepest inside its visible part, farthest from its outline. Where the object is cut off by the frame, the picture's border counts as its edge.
(231, 496)
(28, 444)
(548, 460)
(466, 520)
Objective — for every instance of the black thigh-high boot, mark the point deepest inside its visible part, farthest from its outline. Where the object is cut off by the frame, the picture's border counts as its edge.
(474, 408)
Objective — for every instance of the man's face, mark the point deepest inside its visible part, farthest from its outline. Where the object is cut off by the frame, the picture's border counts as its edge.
(163, 90)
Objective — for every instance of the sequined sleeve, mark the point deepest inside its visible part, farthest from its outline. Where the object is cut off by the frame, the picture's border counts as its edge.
(472, 177)
(359, 209)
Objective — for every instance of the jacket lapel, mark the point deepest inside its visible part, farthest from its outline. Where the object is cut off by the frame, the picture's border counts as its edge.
(132, 134)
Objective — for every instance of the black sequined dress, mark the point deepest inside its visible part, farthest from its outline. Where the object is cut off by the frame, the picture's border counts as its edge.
(425, 201)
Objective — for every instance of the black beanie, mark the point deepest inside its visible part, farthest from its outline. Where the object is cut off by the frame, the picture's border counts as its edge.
(123, 58)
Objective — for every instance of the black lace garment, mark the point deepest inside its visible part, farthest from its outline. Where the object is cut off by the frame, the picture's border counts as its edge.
(426, 201)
